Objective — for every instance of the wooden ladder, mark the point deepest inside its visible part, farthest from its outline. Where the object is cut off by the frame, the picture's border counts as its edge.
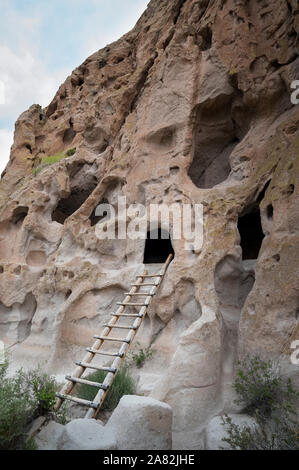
(103, 388)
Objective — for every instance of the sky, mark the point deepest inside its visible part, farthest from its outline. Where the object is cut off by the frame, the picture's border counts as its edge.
(42, 41)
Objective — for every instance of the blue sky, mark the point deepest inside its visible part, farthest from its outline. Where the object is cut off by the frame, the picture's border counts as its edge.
(42, 41)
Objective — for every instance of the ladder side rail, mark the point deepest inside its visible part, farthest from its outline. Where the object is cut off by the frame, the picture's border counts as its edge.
(101, 395)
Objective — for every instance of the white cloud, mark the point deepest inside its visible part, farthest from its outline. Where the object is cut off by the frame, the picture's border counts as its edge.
(6, 139)
(2, 93)
(95, 39)
(25, 81)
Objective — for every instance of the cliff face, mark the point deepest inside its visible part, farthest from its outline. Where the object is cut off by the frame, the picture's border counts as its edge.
(192, 106)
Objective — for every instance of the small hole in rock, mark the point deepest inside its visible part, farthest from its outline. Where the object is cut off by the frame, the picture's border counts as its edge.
(291, 189)
(251, 233)
(270, 211)
(19, 214)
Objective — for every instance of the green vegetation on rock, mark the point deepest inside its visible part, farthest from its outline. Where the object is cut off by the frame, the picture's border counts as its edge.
(49, 160)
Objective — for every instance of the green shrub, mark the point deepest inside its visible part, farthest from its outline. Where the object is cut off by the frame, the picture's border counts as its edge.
(271, 400)
(123, 384)
(23, 397)
(140, 357)
(70, 152)
(278, 433)
(260, 388)
(43, 388)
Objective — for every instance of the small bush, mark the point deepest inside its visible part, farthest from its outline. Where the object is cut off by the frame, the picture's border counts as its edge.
(123, 384)
(271, 400)
(70, 152)
(44, 389)
(279, 433)
(140, 357)
(260, 388)
(23, 397)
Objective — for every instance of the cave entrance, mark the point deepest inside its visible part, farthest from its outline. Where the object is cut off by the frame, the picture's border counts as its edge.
(158, 247)
(71, 204)
(251, 233)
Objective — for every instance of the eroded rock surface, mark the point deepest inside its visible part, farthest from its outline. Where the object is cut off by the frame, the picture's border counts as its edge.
(191, 106)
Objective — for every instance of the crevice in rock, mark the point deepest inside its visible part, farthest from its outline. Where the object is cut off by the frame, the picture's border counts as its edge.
(28, 147)
(51, 108)
(141, 82)
(180, 7)
(206, 36)
(69, 134)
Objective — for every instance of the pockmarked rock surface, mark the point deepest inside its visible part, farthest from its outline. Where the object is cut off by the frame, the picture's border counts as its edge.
(192, 106)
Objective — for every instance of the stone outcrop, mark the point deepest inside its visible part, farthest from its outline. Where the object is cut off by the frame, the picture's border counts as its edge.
(142, 423)
(191, 106)
(136, 423)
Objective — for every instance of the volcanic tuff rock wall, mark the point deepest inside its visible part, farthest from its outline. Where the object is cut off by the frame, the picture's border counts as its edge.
(191, 106)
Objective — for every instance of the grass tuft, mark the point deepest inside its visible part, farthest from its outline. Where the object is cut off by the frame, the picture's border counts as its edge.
(123, 384)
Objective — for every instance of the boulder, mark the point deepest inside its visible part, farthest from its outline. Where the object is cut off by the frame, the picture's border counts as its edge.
(142, 423)
(49, 437)
(87, 434)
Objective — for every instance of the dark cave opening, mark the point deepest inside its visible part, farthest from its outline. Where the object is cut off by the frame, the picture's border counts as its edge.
(158, 247)
(19, 214)
(251, 233)
(215, 136)
(71, 204)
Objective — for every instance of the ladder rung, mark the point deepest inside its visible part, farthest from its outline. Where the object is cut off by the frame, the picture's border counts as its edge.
(87, 365)
(132, 304)
(107, 338)
(80, 401)
(104, 353)
(140, 293)
(122, 327)
(86, 382)
(143, 285)
(131, 315)
(150, 275)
